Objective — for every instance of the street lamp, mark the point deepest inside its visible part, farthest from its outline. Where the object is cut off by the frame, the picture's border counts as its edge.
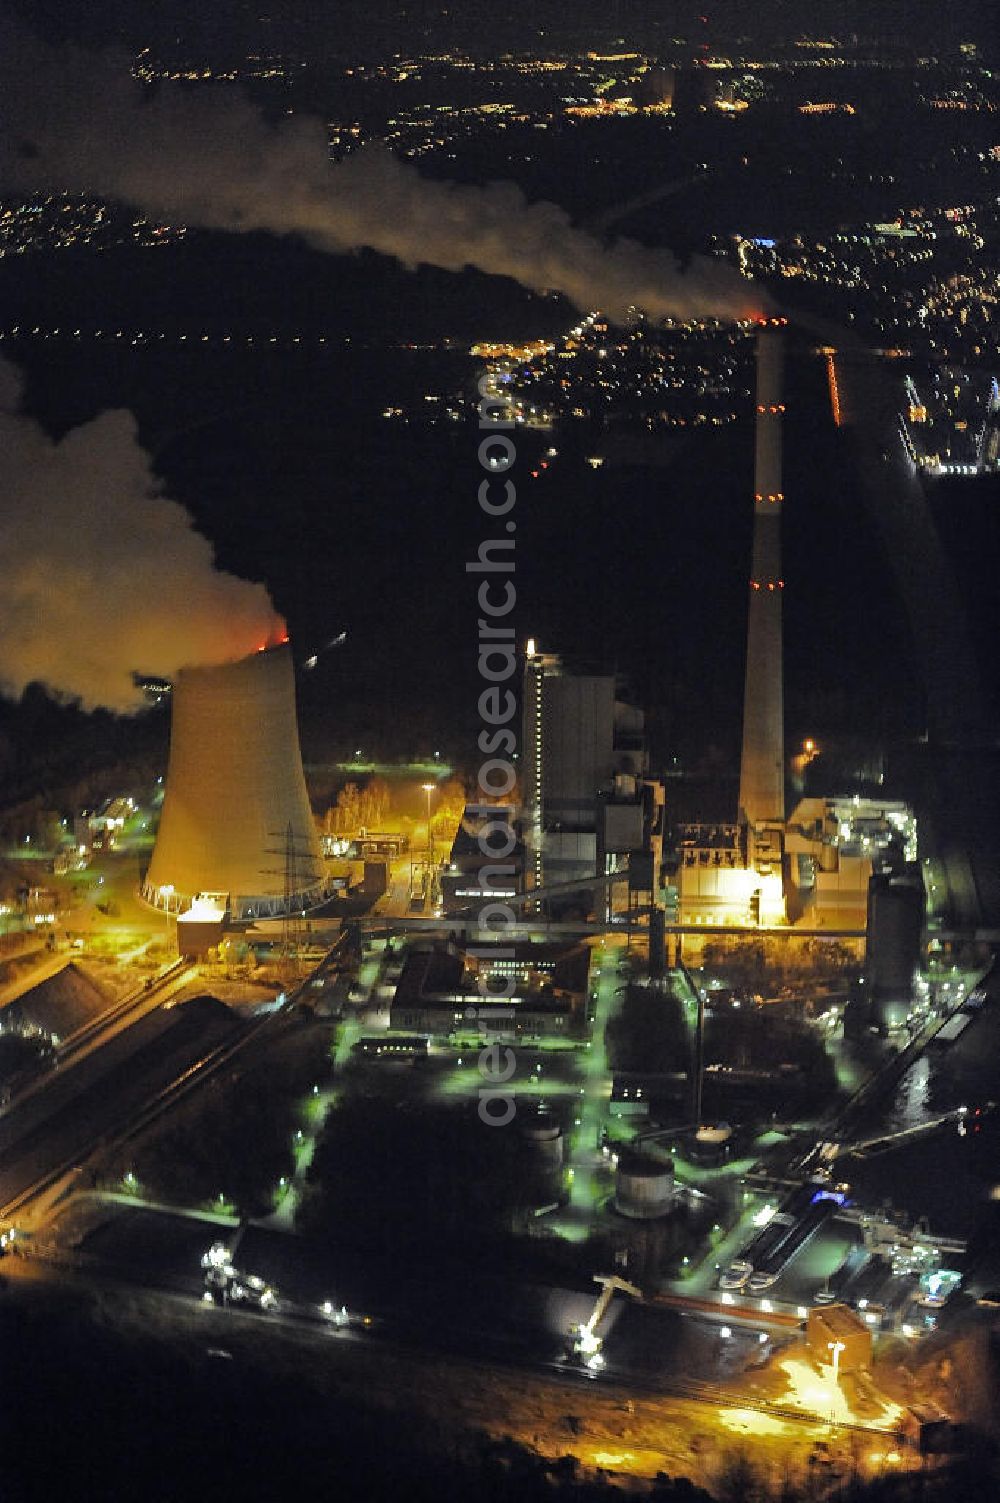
(429, 789)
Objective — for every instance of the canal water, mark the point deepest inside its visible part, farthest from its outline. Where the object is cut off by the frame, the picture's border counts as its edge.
(952, 1180)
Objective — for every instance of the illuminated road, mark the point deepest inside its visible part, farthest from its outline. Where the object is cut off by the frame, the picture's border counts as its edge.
(318, 1108)
(587, 1167)
(395, 901)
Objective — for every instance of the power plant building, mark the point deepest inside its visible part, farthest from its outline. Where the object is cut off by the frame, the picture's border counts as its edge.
(585, 760)
(568, 753)
(237, 832)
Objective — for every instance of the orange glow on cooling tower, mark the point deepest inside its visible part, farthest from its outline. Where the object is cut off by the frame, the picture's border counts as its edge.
(277, 637)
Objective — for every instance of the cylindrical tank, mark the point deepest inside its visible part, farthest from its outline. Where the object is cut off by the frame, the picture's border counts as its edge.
(644, 1187)
(236, 818)
(895, 924)
(544, 1136)
(711, 1144)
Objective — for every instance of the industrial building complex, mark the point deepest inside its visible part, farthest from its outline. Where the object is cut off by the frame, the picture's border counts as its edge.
(594, 835)
(695, 1022)
(499, 744)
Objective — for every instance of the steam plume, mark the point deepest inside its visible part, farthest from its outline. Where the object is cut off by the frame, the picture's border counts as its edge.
(79, 122)
(101, 575)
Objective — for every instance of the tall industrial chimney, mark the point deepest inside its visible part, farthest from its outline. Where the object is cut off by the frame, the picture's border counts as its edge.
(762, 767)
(236, 819)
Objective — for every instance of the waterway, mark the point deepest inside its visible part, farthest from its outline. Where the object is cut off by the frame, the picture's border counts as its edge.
(951, 1179)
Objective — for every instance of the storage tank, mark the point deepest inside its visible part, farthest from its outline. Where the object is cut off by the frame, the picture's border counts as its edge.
(711, 1144)
(895, 924)
(644, 1187)
(236, 822)
(544, 1136)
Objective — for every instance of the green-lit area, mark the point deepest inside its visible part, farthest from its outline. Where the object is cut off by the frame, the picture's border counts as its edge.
(424, 1108)
(368, 972)
(590, 1180)
(435, 767)
(550, 1076)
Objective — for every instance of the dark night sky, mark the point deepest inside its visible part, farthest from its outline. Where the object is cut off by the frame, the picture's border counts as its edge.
(354, 522)
(286, 466)
(283, 460)
(318, 29)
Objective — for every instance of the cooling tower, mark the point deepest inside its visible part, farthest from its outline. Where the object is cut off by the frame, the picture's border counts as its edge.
(236, 819)
(762, 766)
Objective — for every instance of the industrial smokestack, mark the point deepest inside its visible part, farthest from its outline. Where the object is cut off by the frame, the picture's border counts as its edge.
(762, 767)
(236, 818)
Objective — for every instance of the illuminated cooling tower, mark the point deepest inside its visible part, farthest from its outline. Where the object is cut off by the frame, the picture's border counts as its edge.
(236, 820)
